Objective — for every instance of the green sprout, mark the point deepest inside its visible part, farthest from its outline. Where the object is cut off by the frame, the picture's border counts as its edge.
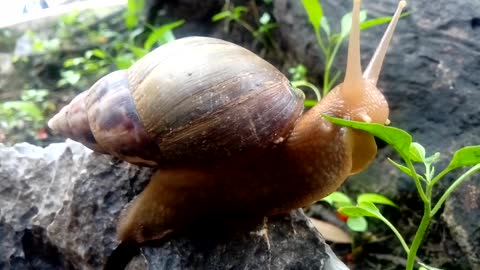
(356, 223)
(261, 32)
(413, 152)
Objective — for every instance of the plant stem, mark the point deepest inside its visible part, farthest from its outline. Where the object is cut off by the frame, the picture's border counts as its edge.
(320, 42)
(419, 236)
(454, 186)
(416, 180)
(397, 233)
(305, 83)
(330, 57)
(440, 175)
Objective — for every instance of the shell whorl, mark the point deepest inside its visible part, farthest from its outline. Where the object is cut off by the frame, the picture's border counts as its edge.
(194, 98)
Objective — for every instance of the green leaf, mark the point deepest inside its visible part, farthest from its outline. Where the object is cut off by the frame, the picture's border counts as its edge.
(134, 9)
(432, 159)
(28, 108)
(70, 76)
(346, 23)
(124, 61)
(298, 72)
(338, 199)
(417, 152)
(401, 167)
(375, 22)
(379, 21)
(363, 209)
(161, 34)
(324, 25)
(314, 11)
(265, 28)
(375, 198)
(138, 52)
(238, 12)
(395, 137)
(99, 53)
(467, 156)
(357, 224)
(222, 15)
(73, 62)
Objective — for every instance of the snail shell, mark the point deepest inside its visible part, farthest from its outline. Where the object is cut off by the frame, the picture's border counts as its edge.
(193, 98)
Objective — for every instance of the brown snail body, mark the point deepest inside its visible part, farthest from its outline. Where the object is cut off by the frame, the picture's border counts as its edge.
(225, 130)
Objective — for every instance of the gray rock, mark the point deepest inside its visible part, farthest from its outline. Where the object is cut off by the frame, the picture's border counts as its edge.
(462, 213)
(31, 190)
(59, 207)
(288, 242)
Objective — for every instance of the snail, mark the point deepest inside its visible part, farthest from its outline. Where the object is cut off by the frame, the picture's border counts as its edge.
(226, 131)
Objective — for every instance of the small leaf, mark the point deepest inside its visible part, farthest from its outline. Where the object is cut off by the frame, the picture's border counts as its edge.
(124, 61)
(265, 28)
(160, 33)
(467, 156)
(324, 25)
(375, 198)
(70, 76)
(355, 211)
(374, 22)
(28, 108)
(73, 62)
(363, 209)
(432, 159)
(238, 12)
(357, 224)
(397, 138)
(417, 152)
(379, 21)
(99, 53)
(222, 15)
(138, 52)
(346, 22)
(314, 11)
(405, 169)
(134, 8)
(402, 168)
(338, 198)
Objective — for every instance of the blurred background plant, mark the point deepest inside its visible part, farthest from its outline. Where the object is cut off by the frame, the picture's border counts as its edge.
(260, 28)
(78, 50)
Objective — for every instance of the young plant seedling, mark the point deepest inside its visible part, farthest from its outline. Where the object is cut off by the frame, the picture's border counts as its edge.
(413, 152)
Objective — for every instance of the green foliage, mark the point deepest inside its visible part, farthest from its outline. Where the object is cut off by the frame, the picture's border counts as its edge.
(356, 222)
(132, 15)
(413, 152)
(118, 51)
(330, 42)
(28, 111)
(299, 79)
(260, 31)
